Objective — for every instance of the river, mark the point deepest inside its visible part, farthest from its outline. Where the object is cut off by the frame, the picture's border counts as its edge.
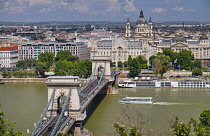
(24, 103)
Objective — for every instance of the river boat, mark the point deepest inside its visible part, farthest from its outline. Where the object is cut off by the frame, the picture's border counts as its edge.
(136, 100)
(127, 84)
(165, 84)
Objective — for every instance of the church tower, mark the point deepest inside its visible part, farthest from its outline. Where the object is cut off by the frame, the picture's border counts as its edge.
(150, 27)
(128, 29)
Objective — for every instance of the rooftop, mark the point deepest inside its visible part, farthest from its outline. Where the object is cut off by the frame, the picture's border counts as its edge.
(11, 48)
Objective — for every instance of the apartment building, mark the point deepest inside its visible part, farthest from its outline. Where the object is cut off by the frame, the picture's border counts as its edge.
(8, 56)
(33, 49)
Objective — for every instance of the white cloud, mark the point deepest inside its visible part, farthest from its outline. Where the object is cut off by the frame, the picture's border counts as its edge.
(172, 1)
(113, 6)
(13, 6)
(191, 10)
(178, 9)
(129, 7)
(159, 10)
(41, 2)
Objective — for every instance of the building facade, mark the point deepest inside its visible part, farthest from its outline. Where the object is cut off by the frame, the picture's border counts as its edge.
(33, 49)
(8, 56)
(143, 29)
(200, 48)
(120, 50)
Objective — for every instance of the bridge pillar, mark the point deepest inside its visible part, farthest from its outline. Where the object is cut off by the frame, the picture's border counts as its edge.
(101, 62)
(62, 85)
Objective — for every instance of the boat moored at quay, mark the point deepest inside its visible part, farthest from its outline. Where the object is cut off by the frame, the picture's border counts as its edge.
(165, 84)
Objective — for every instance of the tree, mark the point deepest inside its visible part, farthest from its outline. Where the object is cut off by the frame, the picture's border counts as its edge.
(171, 54)
(66, 55)
(121, 130)
(129, 60)
(185, 59)
(197, 72)
(193, 127)
(160, 64)
(156, 65)
(151, 58)
(65, 68)
(26, 63)
(143, 61)
(86, 67)
(205, 118)
(134, 66)
(46, 57)
(7, 128)
(197, 64)
(41, 68)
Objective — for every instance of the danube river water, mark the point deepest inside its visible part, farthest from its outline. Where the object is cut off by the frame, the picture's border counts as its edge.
(24, 103)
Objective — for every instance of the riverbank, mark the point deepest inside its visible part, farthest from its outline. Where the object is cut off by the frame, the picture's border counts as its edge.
(31, 80)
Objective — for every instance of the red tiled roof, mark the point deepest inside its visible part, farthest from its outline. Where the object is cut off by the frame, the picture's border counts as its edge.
(11, 48)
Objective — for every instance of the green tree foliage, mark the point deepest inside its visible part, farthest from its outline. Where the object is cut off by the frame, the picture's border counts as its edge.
(41, 68)
(160, 64)
(121, 130)
(86, 67)
(26, 63)
(185, 59)
(7, 128)
(193, 128)
(46, 57)
(156, 65)
(205, 118)
(66, 68)
(134, 66)
(197, 64)
(171, 54)
(66, 55)
(181, 129)
(143, 61)
(151, 58)
(197, 72)
(129, 60)
(125, 64)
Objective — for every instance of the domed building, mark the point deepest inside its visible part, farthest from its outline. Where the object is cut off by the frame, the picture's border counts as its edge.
(143, 29)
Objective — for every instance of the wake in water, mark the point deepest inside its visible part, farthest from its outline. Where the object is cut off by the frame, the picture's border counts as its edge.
(167, 103)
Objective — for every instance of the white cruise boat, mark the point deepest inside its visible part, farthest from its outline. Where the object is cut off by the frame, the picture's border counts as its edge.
(127, 84)
(136, 100)
(165, 84)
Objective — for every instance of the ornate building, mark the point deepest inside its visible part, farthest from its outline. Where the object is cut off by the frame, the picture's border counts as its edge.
(143, 29)
(200, 48)
(120, 50)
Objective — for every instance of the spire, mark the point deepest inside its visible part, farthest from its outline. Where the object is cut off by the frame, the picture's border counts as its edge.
(141, 13)
(128, 20)
(150, 19)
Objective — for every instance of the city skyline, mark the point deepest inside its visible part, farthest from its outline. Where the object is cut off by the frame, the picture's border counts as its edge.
(103, 10)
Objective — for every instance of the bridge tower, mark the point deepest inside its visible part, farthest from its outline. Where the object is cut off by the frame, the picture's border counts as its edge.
(101, 62)
(63, 85)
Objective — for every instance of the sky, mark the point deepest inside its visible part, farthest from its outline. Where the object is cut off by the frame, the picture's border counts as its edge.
(103, 10)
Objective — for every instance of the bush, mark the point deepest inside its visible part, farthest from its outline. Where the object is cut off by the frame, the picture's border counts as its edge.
(197, 72)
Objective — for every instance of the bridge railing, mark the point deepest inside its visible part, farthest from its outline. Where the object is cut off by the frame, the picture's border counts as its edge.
(44, 114)
(54, 131)
(65, 123)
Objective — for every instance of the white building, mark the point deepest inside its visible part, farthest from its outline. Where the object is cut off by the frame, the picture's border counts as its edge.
(33, 49)
(200, 48)
(143, 29)
(8, 56)
(120, 50)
